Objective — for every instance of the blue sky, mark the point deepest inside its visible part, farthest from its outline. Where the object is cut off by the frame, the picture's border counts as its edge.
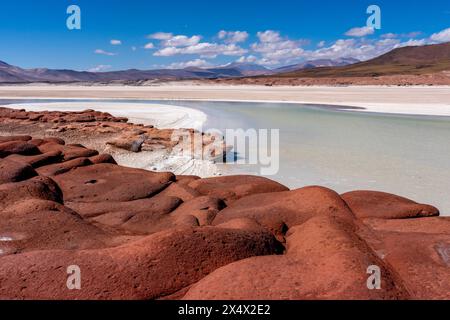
(186, 33)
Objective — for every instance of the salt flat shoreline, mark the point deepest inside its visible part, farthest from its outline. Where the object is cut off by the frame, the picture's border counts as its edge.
(417, 100)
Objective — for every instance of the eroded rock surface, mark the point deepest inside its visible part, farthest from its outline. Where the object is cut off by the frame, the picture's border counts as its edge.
(137, 234)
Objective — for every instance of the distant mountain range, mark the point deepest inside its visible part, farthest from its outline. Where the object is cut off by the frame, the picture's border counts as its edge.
(13, 74)
(417, 60)
(317, 64)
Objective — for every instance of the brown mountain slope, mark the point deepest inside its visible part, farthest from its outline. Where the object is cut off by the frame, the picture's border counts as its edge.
(402, 61)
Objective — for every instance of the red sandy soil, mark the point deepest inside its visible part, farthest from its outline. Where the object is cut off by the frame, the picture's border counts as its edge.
(137, 234)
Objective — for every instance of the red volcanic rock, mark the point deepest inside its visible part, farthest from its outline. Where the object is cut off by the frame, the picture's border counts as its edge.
(17, 147)
(63, 167)
(282, 210)
(34, 188)
(54, 140)
(185, 180)
(366, 204)
(241, 224)
(69, 152)
(133, 143)
(137, 234)
(38, 160)
(13, 171)
(323, 260)
(109, 182)
(203, 208)
(231, 188)
(432, 225)
(102, 158)
(418, 250)
(37, 224)
(14, 138)
(154, 218)
(181, 190)
(156, 266)
(143, 216)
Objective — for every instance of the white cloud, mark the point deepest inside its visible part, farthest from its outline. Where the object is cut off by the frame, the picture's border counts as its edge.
(267, 62)
(412, 34)
(149, 46)
(276, 50)
(233, 36)
(362, 49)
(100, 68)
(204, 49)
(269, 36)
(182, 41)
(160, 36)
(443, 36)
(197, 63)
(103, 52)
(248, 59)
(116, 42)
(401, 35)
(389, 36)
(133, 48)
(344, 48)
(413, 42)
(360, 32)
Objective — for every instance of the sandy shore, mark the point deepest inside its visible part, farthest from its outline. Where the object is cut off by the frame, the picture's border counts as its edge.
(161, 116)
(421, 100)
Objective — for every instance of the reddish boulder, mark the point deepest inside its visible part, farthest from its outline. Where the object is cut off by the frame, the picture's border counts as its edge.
(37, 160)
(14, 138)
(418, 250)
(143, 216)
(366, 204)
(132, 143)
(180, 190)
(102, 158)
(69, 152)
(34, 188)
(230, 188)
(203, 208)
(109, 182)
(63, 167)
(323, 260)
(156, 266)
(14, 171)
(17, 147)
(36, 224)
(282, 210)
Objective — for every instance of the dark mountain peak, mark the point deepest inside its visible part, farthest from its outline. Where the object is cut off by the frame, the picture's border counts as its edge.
(4, 64)
(246, 66)
(310, 64)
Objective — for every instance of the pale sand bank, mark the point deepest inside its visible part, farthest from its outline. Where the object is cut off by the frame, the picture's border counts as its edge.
(161, 116)
(421, 100)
